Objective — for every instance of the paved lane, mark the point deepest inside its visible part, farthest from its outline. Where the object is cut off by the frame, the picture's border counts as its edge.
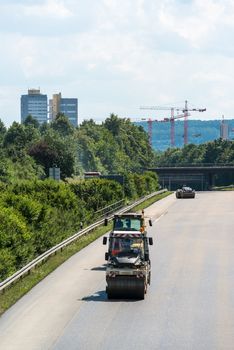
(189, 305)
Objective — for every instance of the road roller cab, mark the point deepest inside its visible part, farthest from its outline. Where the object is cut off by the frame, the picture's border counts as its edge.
(133, 222)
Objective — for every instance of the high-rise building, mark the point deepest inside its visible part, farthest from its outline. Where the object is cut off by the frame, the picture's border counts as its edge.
(67, 106)
(34, 104)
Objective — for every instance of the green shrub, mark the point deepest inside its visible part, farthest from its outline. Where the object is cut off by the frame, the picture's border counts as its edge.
(15, 239)
(36, 215)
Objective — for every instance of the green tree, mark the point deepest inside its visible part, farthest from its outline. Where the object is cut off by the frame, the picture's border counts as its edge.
(62, 125)
(14, 237)
(29, 120)
(54, 150)
(113, 124)
(18, 139)
(115, 146)
(15, 139)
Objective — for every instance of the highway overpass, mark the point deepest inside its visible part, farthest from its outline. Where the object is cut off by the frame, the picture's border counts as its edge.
(200, 177)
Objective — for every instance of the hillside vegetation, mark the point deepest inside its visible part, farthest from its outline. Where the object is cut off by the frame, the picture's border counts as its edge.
(210, 153)
(36, 212)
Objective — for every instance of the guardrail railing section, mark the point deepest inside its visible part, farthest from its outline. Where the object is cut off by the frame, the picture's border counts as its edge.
(110, 210)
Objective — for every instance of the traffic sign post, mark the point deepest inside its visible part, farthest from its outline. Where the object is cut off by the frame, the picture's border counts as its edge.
(54, 173)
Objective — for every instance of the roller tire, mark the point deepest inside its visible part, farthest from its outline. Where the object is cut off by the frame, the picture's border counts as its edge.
(126, 288)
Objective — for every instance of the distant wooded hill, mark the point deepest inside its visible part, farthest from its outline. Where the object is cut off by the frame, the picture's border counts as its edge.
(199, 131)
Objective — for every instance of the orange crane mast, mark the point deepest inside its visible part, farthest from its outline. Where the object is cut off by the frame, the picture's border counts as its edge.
(164, 120)
(185, 114)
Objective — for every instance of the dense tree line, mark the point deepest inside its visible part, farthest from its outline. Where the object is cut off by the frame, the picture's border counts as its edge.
(36, 212)
(29, 150)
(214, 152)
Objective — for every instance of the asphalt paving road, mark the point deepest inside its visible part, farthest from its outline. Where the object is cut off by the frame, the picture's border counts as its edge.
(189, 305)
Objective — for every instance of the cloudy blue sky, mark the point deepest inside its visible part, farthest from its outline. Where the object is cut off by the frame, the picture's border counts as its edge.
(117, 55)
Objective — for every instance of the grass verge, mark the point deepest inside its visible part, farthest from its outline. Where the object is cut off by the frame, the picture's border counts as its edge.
(224, 188)
(152, 200)
(21, 287)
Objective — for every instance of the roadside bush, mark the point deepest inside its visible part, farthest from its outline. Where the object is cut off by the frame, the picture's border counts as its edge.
(36, 215)
(15, 241)
(97, 193)
(129, 186)
(138, 185)
(27, 207)
(7, 263)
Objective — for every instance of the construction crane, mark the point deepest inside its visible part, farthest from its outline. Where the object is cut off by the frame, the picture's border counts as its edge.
(164, 120)
(185, 111)
(172, 122)
(150, 125)
(185, 114)
(150, 128)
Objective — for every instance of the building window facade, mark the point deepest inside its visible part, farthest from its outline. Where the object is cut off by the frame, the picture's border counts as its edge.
(66, 106)
(34, 104)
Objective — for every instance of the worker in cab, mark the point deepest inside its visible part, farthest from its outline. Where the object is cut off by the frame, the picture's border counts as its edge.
(118, 224)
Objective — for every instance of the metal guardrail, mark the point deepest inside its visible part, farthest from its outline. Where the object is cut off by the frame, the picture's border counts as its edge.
(110, 208)
(43, 257)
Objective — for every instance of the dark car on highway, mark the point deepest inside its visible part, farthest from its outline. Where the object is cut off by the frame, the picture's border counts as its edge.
(185, 192)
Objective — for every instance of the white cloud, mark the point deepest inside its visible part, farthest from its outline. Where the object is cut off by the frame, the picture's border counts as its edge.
(9, 106)
(115, 55)
(50, 8)
(195, 23)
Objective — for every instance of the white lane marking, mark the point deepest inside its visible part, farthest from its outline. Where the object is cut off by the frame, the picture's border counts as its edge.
(161, 216)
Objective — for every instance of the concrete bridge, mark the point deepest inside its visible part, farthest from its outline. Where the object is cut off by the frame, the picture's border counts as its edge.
(200, 177)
